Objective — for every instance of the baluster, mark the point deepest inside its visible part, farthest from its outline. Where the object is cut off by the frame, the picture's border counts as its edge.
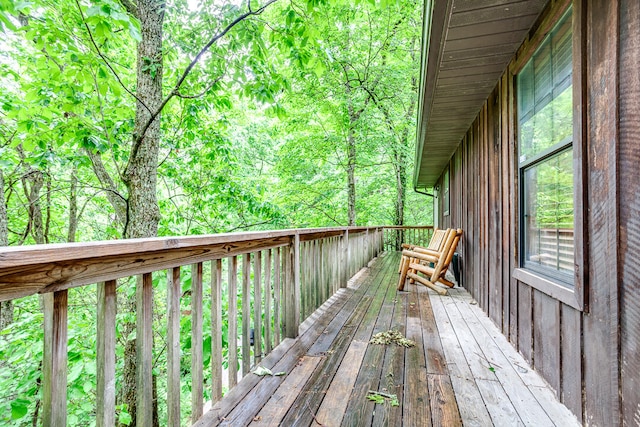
(216, 330)
(292, 286)
(232, 316)
(257, 307)
(54, 363)
(197, 375)
(173, 346)
(246, 314)
(144, 350)
(267, 301)
(106, 355)
(277, 295)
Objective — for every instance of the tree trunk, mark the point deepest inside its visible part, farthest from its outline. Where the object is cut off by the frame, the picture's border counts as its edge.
(73, 208)
(32, 183)
(140, 176)
(351, 177)
(6, 307)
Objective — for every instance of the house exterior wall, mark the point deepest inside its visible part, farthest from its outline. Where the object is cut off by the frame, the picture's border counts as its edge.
(589, 355)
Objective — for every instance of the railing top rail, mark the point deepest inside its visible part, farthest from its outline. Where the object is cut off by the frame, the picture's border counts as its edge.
(27, 270)
(411, 227)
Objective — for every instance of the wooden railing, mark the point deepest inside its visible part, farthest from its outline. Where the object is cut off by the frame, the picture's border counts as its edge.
(395, 236)
(262, 285)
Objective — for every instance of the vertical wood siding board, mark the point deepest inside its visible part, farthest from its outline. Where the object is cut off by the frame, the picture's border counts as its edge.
(106, 355)
(506, 203)
(494, 309)
(571, 362)
(495, 214)
(197, 367)
(246, 313)
(476, 212)
(173, 346)
(546, 338)
(486, 279)
(525, 316)
(54, 363)
(601, 326)
(513, 199)
(232, 316)
(144, 350)
(257, 307)
(216, 330)
(629, 206)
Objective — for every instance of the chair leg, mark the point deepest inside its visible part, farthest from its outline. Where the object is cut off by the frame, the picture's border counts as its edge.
(403, 275)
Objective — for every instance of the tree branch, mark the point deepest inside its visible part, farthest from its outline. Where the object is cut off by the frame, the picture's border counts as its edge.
(130, 6)
(106, 61)
(187, 71)
(201, 94)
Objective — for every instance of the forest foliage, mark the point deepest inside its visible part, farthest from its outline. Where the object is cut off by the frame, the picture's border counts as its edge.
(270, 114)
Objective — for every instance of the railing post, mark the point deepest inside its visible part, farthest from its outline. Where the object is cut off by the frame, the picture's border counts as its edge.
(174, 292)
(54, 364)
(197, 374)
(106, 355)
(144, 351)
(345, 259)
(293, 288)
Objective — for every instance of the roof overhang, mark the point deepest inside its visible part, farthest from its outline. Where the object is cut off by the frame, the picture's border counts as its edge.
(466, 47)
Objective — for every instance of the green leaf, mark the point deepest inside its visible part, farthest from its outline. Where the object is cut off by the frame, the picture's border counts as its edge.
(19, 408)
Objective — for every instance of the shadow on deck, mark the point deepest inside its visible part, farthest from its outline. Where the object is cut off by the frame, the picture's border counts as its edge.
(462, 370)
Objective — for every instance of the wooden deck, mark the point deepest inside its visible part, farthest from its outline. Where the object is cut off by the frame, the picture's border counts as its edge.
(462, 371)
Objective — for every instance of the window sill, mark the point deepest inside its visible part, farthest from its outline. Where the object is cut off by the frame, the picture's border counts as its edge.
(546, 286)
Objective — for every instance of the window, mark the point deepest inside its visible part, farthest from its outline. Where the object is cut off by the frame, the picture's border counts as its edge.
(545, 133)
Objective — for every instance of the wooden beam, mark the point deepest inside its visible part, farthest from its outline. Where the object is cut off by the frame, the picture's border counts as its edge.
(106, 355)
(54, 363)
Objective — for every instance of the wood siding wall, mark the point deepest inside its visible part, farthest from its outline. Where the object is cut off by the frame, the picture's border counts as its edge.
(591, 358)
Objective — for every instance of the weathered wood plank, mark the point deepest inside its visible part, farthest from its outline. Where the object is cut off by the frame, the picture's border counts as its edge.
(174, 291)
(197, 365)
(144, 350)
(246, 314)
(106, 355)
(338, 394)
(312, 394)
(359, 410)
(546, 338)
(601, 366)
(470, 403)
(54, 360)
(629, 153)
(267, 302)
(277, 296)
(232, 314)
(278, 405)
(257, 307)
(416, 409)
(216, 330)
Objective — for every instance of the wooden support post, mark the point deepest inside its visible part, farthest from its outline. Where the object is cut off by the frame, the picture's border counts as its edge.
(257, 307)
(216, 330)
(277, 294)
(174, 292)
(246, 314)
(106, 355)
(345, 260)
(54, 364)
(144, 351)
(292, 298)
(197, 374)
(267, 302)
(233, 321)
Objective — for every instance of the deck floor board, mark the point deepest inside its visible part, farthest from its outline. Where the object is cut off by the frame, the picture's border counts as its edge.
(461, 372)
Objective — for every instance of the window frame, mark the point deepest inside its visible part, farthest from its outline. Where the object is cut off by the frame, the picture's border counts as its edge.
(446, 195)
(576, 296)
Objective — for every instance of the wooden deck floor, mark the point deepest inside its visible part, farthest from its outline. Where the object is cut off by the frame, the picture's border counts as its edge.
(462, 371)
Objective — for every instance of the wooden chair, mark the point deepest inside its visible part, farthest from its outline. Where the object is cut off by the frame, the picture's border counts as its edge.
(435, 246)
(434, 274)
